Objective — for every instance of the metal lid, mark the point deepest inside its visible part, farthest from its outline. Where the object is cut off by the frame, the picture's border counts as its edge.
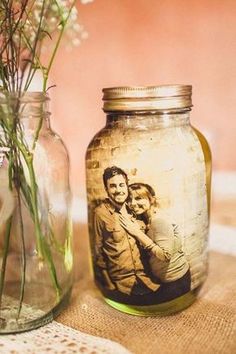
(141, 98)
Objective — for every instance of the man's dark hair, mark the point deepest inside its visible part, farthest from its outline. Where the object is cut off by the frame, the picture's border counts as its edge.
(110, 172)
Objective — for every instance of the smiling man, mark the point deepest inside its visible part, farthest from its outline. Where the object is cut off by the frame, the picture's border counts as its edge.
(119, 265)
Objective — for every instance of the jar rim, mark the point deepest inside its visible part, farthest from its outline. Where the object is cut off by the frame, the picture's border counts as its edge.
(131, 98)
(24, 96)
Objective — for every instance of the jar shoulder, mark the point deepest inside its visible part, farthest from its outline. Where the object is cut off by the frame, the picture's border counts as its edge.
(95, 141)
(204, 143)
(51, 157)
(206, 150)
(118, 135)
(52, 142)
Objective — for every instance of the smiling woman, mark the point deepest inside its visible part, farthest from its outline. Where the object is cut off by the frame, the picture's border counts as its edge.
(142, 197)
(167, 259)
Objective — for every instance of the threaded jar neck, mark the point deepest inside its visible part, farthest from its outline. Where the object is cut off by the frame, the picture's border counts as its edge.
(146, 120)
(24, 105)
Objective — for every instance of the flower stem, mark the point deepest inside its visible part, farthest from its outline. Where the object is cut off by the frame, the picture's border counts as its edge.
(33, 187)
(42, 246)
(4, 258)
(23, 256)
(63, 24)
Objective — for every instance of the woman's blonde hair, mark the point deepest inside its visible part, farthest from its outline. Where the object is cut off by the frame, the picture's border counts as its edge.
(144, 190)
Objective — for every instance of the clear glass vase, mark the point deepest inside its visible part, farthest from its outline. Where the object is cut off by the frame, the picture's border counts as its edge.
(35, 225)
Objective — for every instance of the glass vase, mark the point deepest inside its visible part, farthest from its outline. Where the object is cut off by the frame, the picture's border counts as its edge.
(35, 225)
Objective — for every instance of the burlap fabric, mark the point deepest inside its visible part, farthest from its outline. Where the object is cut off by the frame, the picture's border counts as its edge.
(208, 326)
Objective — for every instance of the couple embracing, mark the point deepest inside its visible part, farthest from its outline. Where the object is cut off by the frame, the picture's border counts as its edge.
(138, 255)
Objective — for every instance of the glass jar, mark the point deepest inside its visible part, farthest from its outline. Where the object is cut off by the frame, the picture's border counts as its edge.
(35, 224)
(148, 191)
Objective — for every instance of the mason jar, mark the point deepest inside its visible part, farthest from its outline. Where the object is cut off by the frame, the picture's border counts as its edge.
(35, 225)
(148, 192)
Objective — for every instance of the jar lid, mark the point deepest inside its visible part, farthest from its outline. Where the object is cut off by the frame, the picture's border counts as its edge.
(141, 98)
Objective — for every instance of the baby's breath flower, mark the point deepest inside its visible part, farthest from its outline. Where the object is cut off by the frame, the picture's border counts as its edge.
(37, 21)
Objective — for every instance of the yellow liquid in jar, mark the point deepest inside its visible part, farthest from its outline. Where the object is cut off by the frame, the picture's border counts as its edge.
(182, 302)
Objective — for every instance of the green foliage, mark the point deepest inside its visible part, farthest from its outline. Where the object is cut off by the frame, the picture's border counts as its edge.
(25, 25)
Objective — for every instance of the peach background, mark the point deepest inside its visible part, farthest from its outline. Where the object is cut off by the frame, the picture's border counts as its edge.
(148, 42)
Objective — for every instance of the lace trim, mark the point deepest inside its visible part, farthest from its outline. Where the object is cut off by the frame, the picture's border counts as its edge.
(58, 339)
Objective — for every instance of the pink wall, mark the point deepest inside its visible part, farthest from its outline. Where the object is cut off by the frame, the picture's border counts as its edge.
(148, 42)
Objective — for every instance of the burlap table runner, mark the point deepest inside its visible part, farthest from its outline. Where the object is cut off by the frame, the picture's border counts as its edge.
(208, 326)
